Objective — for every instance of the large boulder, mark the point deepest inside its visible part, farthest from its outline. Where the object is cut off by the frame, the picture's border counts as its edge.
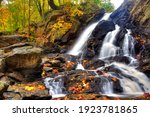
(103, 28)
(134, 15)
(24, 58)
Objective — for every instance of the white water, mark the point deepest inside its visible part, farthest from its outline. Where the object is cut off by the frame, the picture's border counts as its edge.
(108, 48)
(80, 67)
(128, 45)
(132, 81)
(81, 41)
(55, 86)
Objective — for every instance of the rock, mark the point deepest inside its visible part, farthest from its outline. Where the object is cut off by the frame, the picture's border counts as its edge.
(103, 28)
(95, 41)
(2, 64)
(8, 80)
(16, 76)
(134, 15)
(61, 30)
(1, 74)
(121, 59)
(138, 48)
(80, 82)
(98, 16)
(122, 14)
(93, 64)
(140, 16)
(88, 54)
(3, 87)
(7, 40)
(54, 64)
(27, 91)
(120, 37)
(145, 60)
(24, 58)
(12, 96)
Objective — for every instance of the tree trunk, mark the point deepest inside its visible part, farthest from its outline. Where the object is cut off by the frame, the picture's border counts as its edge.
(29, 17)
(52, 5)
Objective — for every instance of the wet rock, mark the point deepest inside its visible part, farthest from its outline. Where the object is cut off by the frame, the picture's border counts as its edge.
(138, 48)
(93, 64)
(95, 42)
(103, 28)
(121, 59)
(120, 37)
(88, 54)
(80, 82)
(54, 64)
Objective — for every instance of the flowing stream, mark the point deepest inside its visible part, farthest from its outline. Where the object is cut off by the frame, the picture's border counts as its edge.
(81, 41)
(132, 81)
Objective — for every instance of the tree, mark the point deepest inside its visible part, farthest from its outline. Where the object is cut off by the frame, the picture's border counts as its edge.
(52, 5)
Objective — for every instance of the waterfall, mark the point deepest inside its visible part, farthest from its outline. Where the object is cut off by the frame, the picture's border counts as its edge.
(81, 41)
(55, 86)
(128, 45)
(108, 48)
(132, 81)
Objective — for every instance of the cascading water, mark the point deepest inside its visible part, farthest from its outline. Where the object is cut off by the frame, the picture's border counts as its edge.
(108, 48)
(55, 86)
(131, 80)
(81, 42)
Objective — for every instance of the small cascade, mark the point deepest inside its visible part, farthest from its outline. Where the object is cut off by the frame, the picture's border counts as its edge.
(108, 48)
(107, 87)
(131, 80)
(128, 45)
(81, 42)
(80, 67)
(128, 48)
(55, 86)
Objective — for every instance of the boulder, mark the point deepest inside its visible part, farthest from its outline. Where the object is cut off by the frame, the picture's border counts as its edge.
(55, 64)
(93, 64)
(102, 29)
(134, 15)
(23, 58)
(3, 87)
(27, 91)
